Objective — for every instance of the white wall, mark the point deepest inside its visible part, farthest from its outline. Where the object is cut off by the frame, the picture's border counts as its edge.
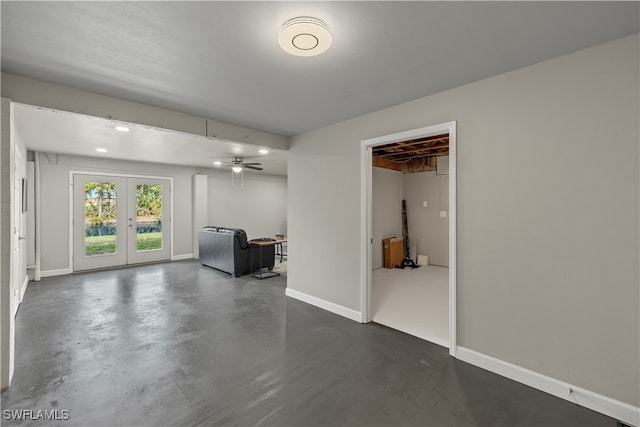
(31, 218)
(387, 192)
(427, 230)
(199, 208)
(426, 227)
(259, 206)
(7, 324)
(548, 196)
(54, 213)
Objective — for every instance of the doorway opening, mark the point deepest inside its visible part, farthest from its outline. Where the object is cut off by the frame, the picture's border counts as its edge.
(120, 220)
(420, 166)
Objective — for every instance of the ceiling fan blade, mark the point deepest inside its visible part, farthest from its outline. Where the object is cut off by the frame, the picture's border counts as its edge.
(252, 167)
(251, 164)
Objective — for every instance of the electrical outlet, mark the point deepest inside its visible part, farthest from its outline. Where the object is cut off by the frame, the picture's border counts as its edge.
(443, 214)
(424, 204)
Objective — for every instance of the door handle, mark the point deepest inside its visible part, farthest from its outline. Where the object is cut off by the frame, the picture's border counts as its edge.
(22, 238)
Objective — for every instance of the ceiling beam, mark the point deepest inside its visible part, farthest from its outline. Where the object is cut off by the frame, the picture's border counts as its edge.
(422, 164)
(57, 97)
(379, 162)
(427, 139)
(415, 148)
(404, 156)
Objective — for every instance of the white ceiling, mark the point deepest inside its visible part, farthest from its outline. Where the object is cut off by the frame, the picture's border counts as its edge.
(221, 60)
(80, 135)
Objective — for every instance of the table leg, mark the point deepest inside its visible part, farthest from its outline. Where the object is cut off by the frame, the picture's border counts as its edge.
(260, 274)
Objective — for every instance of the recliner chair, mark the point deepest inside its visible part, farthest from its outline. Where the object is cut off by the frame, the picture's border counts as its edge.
(227, 249)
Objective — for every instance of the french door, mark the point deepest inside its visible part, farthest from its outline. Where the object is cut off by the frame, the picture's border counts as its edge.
(120, 220)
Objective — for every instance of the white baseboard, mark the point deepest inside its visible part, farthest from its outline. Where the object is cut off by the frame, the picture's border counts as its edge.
(326, 305)
(621, 411)
(60, 272)
(23, 288)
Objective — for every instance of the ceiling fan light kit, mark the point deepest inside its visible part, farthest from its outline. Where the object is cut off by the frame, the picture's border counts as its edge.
(304, 36)
(238, 165)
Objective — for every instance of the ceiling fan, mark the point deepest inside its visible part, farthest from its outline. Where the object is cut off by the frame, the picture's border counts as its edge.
(238, 164)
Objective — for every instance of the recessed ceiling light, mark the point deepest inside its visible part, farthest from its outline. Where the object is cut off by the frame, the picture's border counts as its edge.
(122, 128)
(304, 36)
(216, 163)
(264, 151)
(101, 150)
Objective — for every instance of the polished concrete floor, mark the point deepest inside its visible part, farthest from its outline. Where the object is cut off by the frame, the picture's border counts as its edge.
(181, 344)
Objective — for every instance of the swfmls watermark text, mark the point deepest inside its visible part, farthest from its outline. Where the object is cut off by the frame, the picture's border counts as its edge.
(35, 415)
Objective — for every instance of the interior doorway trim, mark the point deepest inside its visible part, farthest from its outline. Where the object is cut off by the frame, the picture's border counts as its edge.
(79, 172)
(366, 216)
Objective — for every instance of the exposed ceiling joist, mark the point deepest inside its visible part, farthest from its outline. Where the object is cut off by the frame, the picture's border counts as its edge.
(400, 155)
(416, 155)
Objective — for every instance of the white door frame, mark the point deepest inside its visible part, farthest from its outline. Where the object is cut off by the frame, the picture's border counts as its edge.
(102, 173)
(17, 237)
(366, 215)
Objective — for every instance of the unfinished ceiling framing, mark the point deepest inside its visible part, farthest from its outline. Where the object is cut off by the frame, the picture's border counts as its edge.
(415, 155)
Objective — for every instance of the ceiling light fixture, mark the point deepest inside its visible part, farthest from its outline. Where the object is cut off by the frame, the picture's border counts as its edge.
(237, 169)
(304, 36)
(217, 163)
(101, 150)
(122, 128)
(264, 151)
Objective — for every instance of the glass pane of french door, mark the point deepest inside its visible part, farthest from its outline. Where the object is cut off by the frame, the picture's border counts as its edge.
(149, 202)
(99, 226)
(100, 216)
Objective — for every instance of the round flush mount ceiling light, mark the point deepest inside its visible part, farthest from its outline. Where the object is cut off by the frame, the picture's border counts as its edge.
(122, 128)
(304, 36)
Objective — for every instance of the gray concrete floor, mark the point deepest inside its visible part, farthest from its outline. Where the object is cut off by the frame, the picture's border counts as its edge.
(181, 344)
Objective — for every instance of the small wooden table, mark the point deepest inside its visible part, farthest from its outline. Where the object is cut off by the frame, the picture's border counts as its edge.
(279, 248)
(260, 273)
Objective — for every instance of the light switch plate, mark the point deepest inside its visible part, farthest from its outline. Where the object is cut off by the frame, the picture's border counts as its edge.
(424, 203)
(443, 214)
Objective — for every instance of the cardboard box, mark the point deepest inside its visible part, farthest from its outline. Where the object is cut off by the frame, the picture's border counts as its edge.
(393, 251)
